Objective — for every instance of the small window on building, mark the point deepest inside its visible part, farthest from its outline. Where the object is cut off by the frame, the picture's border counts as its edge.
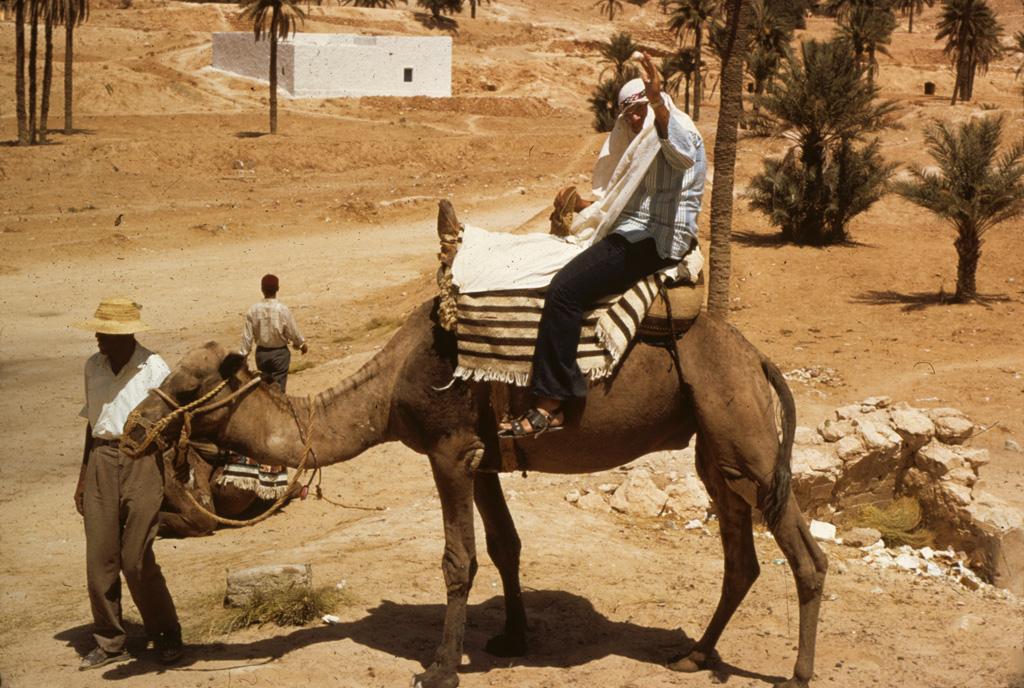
(408, 74)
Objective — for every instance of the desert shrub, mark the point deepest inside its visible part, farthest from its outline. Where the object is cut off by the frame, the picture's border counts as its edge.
(286, 606)
(899, 523)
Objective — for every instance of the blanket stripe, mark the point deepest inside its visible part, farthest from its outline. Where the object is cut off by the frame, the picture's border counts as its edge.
(497, 332)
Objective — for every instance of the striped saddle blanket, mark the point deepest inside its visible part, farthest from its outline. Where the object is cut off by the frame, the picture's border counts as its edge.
(267, 482)
(497, 331)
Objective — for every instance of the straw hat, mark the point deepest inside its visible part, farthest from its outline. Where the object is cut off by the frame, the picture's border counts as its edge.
(115, 316)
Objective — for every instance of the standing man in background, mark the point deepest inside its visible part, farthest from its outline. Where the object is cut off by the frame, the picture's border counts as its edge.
(119, 496)
(270, 325)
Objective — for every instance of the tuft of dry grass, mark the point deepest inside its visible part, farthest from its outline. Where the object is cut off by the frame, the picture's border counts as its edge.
(299, 366)
(899, 523)
(287, 606)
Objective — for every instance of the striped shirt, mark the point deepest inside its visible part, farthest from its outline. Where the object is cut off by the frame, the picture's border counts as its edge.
(270, 325)
(666, 203)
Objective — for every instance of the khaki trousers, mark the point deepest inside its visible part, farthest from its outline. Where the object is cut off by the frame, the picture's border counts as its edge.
(121, 500)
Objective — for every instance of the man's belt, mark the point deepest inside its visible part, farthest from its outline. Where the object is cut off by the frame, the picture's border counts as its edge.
(104, 442)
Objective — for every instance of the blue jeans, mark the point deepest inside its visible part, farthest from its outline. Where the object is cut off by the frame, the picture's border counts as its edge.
(611, 266)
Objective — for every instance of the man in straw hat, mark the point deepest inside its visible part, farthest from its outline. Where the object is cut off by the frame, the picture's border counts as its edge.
(270, 326)
(120, 497)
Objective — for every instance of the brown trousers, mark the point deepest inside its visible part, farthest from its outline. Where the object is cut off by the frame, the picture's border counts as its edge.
(121, 499)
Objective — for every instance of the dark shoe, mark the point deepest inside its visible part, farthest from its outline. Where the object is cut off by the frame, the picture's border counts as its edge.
(533, 423)
(100, 657)
(169, 647)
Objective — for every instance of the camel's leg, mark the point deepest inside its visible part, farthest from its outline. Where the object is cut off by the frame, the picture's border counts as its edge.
(455, 488)
(503, 546)
(809, 565)
(741, 567)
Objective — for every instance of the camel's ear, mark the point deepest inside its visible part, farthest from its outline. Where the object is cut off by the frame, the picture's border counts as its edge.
(231, 364)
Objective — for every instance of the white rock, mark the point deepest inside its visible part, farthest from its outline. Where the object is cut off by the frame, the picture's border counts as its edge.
(908, 562)
(927, 552)
(850, 448)
(805, 435)
(688, 498)
(961, 494)
(639, 495)
(608, 488)
(876, 547)
(592, 501)
(835, 430)
(877, 402)
(847, 412)
(878, 437)
(572, 496)
(242, 583)
(825, 532)
(1013, 445)
(693, 524)
(932, 569)
(937, 459)
(915, 427)
(962, 475)
(975, 457)
(951, 425)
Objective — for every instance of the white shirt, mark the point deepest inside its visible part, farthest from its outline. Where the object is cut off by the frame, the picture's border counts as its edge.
(269, 324)
(110, 398)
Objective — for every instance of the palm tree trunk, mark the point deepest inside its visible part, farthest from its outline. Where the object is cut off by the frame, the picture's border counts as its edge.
(472, 9)
(273, 70)
(697, 40)
(44, 108)
(686, 96)
(33, 82)
(69, 33)
(972, 68)
(729, 112)
(19, 70)
(968, 251)
(910, 27)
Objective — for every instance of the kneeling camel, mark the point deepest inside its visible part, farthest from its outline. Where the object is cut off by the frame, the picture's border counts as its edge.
(402, 395)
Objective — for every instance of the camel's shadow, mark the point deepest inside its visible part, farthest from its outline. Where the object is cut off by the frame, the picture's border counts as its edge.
(565, 631)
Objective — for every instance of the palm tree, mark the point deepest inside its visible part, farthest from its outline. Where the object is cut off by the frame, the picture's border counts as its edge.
(972, 41)
(733, 52)
(370, 4)
(73, 13)
(473, 5)
(609, 7)
(689, 18)
(822, 103)
(33, 83)
(1018, 40)
(604, 103)
(770, 36)
(284, 15)
(975, 190)
(867, 29)
(677, 70)
(439, 7)
(909, 7)
(19, 71)
(50, 12)
(617, 52)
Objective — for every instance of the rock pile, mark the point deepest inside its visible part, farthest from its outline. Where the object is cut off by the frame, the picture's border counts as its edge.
(871, 452)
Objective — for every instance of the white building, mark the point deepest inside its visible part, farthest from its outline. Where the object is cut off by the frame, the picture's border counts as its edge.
(318, 65)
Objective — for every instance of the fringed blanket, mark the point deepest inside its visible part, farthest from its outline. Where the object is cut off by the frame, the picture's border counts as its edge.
(267, 482)
(497, 332)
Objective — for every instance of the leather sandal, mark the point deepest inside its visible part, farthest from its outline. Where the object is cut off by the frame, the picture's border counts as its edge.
(540, 422)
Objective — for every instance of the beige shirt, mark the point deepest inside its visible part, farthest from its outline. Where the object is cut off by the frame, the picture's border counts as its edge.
(269, 324)
(110, 398)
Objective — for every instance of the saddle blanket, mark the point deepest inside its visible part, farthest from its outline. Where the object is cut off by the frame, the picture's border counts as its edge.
(497, 331)
(267, 482)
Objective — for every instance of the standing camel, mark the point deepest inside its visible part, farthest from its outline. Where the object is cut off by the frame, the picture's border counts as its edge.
(402, 395)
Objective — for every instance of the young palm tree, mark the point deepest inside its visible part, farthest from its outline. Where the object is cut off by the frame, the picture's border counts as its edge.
(909, 7)
(975, 190)
(972, 41)
(770, 36)
(867, 29)
(473, 4)
(370, 4)
(1018, 47)
(604, 103)
(823, 104)
(439, 7)
(72, 13)
(277, 19)
(609, 7)
(617, 51)
(732, 54)
(690, 18)
(677, 70)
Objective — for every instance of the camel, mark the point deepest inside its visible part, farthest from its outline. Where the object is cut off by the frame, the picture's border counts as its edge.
(403, 394)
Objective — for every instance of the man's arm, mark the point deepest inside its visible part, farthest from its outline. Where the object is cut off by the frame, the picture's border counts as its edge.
(247, 335)
(80, 488)
(292, 332)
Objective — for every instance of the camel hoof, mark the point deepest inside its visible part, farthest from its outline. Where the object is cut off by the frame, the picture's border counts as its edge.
(435, 677)
(505, 645)
(693, 662)
(793, 683)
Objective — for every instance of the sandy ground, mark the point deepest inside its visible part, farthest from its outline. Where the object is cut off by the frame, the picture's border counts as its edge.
(166, 196)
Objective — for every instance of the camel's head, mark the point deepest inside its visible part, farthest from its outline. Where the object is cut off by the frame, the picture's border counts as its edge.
(204, 376)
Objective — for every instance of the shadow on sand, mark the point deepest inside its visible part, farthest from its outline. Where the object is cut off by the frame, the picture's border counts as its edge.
(565, 631)
(251, 134)
(916, 301)
(443, 23)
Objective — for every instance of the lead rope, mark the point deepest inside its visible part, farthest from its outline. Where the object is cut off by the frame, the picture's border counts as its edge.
(673, 343)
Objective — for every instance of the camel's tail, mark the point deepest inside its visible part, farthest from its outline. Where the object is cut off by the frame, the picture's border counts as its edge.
(774, 501)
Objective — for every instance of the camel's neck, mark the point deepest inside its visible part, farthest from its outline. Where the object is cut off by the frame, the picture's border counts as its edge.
(340, 423)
